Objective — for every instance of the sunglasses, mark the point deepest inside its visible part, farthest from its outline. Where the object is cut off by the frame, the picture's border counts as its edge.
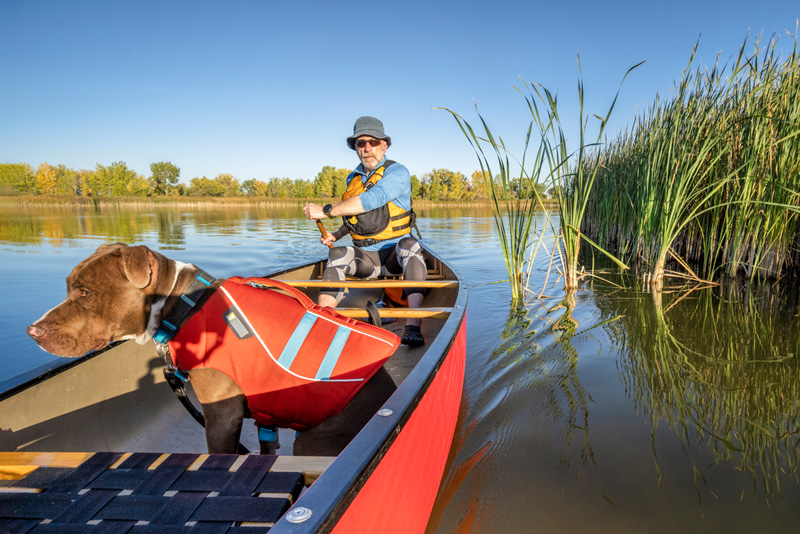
(361, 143)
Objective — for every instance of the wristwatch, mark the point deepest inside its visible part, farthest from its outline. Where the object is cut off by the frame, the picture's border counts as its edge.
(326, 209)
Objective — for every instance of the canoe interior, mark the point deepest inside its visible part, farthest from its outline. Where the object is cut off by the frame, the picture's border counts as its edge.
(117, 399)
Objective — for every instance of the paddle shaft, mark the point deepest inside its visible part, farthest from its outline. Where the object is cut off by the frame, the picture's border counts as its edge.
(324, 232)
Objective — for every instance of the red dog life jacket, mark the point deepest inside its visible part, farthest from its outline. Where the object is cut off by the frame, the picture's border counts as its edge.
(297, 363)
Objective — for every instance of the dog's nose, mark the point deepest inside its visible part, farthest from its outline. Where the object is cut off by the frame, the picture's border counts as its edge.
(35, 331)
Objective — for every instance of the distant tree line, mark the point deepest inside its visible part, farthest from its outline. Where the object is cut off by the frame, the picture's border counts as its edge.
(117, 180)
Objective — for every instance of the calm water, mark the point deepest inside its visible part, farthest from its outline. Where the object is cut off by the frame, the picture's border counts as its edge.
(609, 410)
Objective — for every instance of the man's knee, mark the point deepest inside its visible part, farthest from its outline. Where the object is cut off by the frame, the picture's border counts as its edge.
(411, 244)
(409, 255)
(336, 254)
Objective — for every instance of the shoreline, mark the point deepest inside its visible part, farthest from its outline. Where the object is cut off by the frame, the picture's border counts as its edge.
(182, 201)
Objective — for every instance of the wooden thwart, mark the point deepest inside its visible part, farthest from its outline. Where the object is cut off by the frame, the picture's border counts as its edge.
(399, 313)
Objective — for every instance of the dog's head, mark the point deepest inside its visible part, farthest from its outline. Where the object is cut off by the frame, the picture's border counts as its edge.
(109, 298)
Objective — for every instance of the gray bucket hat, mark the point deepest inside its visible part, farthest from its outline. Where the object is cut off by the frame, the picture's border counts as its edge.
(367, 126)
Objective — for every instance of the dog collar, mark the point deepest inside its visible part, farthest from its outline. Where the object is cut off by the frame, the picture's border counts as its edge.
(183, 308)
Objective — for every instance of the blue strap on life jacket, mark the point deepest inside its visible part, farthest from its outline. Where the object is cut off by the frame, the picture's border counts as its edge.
(267, 433)
(183, 308)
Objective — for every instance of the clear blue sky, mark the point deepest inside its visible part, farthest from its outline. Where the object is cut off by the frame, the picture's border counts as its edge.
(265, 88)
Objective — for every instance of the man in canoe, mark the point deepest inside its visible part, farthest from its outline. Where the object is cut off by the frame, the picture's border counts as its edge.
(376, 210)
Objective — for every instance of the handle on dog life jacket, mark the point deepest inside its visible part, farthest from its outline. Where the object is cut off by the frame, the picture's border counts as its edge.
(264, 283)
(324, 232)
(302, 298)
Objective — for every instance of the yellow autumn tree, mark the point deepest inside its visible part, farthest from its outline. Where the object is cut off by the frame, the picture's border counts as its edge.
(478, 185)
(46, 179)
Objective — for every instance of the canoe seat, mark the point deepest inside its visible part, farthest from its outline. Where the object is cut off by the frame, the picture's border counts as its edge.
(119, 490)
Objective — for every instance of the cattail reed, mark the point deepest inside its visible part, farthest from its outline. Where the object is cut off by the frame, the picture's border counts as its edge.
(572, 174)
(710, 175)
(512, 216)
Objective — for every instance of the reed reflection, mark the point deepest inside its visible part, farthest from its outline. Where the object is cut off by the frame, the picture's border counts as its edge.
(719, 366)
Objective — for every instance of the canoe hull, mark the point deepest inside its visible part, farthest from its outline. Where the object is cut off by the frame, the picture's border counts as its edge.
(399, 495)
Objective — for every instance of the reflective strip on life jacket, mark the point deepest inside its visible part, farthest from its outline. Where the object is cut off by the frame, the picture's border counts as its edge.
(332, 355)
(296, 340)
(299, 336)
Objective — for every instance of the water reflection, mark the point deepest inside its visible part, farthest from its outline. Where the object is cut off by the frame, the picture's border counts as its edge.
(598, 410)
(718, 366)
(59, 225)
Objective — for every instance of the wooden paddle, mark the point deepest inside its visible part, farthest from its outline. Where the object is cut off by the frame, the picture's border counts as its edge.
(324, 232)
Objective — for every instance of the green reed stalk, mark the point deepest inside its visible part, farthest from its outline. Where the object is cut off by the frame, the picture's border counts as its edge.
(512, 216)
(574, 173)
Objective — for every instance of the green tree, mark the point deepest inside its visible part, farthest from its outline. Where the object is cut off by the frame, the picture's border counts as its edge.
(163, 177)
(444, 184)
(254, 188)
(205, 187)
(302, 189)
(232, 186)
(138, 186)
(67, 181)
(279, 187)
(340, 182)
(416, 187)
(541, 189)
(330, 182)
(433, 185)
(17, 179)
(114, 180)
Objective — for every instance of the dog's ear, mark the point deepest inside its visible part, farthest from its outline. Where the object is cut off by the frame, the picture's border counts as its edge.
(109, 247)
(136, 263)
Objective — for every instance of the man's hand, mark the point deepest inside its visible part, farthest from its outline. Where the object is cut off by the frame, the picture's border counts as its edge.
(328, 240)
(313, 212)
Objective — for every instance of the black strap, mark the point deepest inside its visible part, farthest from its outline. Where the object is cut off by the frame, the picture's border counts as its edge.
(177, 382)
(179, 388)
(194, 295)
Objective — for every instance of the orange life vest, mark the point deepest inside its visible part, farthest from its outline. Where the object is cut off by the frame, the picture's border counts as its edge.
(297, 363)
(382, 223)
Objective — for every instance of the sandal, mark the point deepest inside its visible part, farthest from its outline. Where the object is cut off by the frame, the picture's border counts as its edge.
(412, 337)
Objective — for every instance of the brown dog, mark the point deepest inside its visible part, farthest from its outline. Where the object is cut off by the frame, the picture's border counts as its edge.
(122, 292)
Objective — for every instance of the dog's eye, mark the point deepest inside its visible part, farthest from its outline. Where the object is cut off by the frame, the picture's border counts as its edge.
(84, 292)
